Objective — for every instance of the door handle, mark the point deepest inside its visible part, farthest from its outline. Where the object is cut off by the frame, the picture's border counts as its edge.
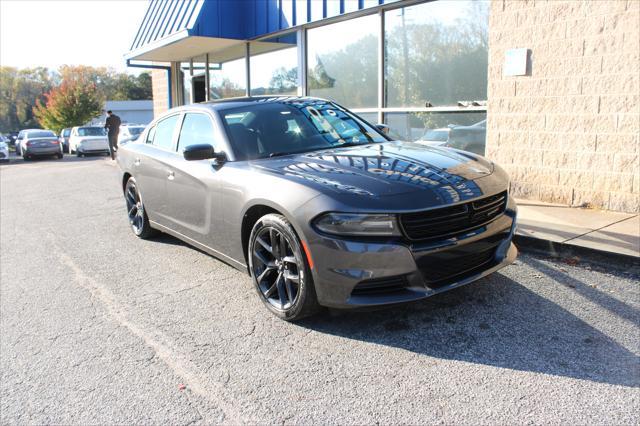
(171, 175)
(137, 162)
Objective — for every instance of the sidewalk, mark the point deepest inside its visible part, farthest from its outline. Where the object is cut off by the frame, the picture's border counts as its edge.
(564, 230)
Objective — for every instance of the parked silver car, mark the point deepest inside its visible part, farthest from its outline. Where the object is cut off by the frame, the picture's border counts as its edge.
(40, 143)
(320, 207)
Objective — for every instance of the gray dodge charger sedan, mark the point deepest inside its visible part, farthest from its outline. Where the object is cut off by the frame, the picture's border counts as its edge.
(320, 207)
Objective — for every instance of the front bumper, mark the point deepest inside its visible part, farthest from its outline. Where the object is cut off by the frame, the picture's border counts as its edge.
(351, 274)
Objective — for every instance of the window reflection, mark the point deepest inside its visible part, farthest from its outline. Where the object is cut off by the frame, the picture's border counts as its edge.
(186, 83)
(466, 131)
(436, 52)
(227, 79)
(274, 66)
(342, 62)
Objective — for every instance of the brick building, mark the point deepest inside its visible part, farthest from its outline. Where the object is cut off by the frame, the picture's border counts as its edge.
(550, 90)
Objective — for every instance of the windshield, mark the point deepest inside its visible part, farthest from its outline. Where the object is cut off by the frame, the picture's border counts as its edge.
(268, 129)
(91, 131)
(40, 134)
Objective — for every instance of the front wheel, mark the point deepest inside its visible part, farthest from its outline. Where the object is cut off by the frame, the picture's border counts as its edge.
(135, 211)
(280, 270)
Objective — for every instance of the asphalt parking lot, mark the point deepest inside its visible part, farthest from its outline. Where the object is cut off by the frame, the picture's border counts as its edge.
(98, 327)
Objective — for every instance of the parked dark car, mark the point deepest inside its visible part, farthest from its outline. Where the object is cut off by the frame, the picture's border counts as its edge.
(64, 139)
(320, 207)
(20, 137)
(12, 138)
(40, 143)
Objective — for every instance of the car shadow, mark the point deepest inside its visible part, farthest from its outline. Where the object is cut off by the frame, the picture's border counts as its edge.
(497, 322)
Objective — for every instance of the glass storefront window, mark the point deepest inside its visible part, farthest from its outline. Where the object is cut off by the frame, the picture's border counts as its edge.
(342, 62)
(436, 52)
(274, 66)
(464, 130)
(227, 79)
(186, 83)
(369, 117)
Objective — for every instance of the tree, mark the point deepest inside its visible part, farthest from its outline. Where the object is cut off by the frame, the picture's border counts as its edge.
(73, 103)
(112, 85)
(19, 91)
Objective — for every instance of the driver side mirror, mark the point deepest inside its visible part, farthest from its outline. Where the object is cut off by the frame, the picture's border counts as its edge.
(202, 152)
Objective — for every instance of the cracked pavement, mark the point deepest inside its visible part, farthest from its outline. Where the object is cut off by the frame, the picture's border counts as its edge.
(98, 327)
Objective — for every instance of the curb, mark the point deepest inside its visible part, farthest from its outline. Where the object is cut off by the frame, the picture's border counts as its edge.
(563, 250)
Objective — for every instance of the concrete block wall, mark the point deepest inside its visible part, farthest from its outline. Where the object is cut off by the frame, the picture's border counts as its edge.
(568, 131)
(159, 85)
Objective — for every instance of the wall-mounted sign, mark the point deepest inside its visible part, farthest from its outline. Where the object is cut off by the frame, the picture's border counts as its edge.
(515, 62)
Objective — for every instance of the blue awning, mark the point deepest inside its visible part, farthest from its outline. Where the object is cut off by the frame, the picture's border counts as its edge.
(176, 30)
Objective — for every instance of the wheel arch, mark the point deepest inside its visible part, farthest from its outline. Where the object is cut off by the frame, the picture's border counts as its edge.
(125, 178)
(249, 219)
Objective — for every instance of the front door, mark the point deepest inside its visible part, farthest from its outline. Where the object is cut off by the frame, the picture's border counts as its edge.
(199, 88)
(152, 167)
(193, 189)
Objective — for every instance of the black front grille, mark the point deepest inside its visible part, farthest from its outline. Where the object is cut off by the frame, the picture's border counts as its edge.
(449, 221)
(440, 269)
(379, 286)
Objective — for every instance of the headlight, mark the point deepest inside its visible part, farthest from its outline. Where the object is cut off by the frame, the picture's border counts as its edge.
(358, 224)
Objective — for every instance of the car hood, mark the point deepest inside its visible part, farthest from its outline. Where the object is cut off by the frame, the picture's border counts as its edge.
(386, 170)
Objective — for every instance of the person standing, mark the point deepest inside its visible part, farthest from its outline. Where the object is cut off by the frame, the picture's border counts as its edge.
(113, 128)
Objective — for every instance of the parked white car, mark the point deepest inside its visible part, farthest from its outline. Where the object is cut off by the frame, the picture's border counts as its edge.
(129, 132)
(4, 149)
(88, 140)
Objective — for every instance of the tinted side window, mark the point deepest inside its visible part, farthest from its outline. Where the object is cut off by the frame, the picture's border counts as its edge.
(196, 128)
(164, 132)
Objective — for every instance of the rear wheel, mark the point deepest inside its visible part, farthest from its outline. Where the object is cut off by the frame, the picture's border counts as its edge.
(135, 211)
(279, 269)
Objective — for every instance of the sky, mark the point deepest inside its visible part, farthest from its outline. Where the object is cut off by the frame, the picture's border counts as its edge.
(51, 33)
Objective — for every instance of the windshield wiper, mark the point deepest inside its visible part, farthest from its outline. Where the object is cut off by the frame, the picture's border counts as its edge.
(279, 154)
(347, 144)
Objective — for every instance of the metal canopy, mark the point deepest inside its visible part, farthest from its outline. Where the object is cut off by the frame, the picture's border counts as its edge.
(176, 30)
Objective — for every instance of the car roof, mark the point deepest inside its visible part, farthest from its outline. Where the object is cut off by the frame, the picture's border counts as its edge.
(228, 103)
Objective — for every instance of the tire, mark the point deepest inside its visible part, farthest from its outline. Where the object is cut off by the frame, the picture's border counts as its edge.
(274, 274)
(59, 155)
(79, 154)
(139, 222)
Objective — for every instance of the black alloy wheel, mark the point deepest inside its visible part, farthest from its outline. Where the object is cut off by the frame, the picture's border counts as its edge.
(135, 211)
(279, 269)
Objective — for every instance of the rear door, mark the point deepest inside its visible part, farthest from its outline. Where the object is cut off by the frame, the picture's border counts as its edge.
(151, 167)
(193, 187)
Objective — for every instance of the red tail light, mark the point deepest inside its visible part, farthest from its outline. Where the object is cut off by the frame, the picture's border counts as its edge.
(29, 143)
(55, 142)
